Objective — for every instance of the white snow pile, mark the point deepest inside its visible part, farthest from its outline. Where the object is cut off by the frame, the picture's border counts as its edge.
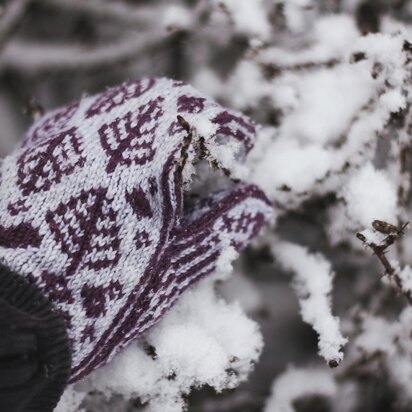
(368, 195)
(202, 341)
(248, 17)
(313, 278)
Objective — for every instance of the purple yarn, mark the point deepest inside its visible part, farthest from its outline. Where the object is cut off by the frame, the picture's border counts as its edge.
(91, 211)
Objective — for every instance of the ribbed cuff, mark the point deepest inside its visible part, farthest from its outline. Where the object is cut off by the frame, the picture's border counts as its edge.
(53, 343)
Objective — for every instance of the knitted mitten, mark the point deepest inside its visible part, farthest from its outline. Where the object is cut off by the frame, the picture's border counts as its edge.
(91, 209)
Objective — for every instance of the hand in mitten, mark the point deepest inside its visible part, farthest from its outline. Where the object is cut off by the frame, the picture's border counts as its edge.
(91, 209)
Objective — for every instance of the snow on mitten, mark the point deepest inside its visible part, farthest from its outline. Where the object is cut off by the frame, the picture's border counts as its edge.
(91, 209)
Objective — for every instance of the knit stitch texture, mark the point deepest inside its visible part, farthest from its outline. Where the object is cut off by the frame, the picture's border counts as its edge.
(91, 210)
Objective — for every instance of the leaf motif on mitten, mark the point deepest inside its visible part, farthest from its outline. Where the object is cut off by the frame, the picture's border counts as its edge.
(140, 203)
(42, 166)
(190, 104)
(142, 239)
(247, 224)
(18, 207)
(117, 96)
(86, 230)
(95, 298)
(130, 139)
(20, 236)
(57, 287)
(51, 124)
(235, 126)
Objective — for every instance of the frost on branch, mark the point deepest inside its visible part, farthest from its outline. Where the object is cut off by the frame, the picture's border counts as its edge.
(331, 113)
(379, 239)
(247, 17)
(313, 284)
(368, 195)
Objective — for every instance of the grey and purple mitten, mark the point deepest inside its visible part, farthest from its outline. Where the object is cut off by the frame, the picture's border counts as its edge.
(91, 210)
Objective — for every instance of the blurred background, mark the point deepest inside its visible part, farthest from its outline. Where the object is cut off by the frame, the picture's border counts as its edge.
(55, 51)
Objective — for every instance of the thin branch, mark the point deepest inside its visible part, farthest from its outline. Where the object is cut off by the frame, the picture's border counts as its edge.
(273, 70)
(120, 12)
(201, 148)
(35, 58)
(136, 16)
(393, 234)
(186, 143)
(10, 18)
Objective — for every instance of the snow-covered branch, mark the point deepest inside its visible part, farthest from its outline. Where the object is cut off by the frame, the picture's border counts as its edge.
(313, 284)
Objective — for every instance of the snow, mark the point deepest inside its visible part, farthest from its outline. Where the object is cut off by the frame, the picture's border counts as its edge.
(330, 37)
(176, 16)
(388, 51)
(247, 85)
(195, 345)
(370, 195)
(295, 16)
(332, 106)
(404, 274)
(321, 107)
(70, 401)
(298, 383)
(406, 278)
(249, 17)
(313, 284)
(288, 163)
(206, 80)
(329, 100)
(377, 336)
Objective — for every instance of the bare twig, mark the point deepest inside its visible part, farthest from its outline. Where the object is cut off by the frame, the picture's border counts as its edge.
(272, 70)
(393, 234)
(118, 12)
(201, 148)
(137, 17)
(35, 58)
(186, 143)
(11, 16)
(33, 108)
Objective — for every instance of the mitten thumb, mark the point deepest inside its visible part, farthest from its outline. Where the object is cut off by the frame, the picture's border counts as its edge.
(228, 219)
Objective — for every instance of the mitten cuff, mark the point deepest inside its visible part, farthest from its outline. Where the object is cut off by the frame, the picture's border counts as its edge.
(53, 347)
